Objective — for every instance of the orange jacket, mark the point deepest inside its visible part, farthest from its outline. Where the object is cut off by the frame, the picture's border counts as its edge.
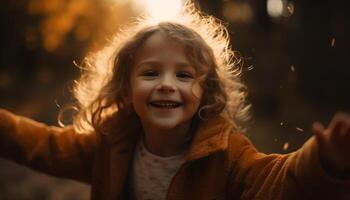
(220, 164)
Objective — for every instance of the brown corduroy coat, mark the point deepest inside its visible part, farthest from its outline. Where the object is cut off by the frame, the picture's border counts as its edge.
(220, 164)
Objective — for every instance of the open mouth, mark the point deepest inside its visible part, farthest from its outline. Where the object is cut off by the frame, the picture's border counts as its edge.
(165, 104)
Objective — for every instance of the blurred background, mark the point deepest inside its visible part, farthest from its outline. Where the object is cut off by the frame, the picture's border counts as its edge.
(294, 66)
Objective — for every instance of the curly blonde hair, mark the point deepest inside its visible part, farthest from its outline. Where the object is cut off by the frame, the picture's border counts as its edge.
(103, 86)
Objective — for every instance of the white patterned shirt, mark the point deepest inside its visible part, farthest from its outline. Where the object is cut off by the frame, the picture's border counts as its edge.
(151, 174)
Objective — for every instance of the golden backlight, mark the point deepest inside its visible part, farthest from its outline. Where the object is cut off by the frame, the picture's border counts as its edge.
(160, 10)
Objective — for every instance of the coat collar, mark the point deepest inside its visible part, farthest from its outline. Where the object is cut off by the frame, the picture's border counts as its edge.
(210, 137)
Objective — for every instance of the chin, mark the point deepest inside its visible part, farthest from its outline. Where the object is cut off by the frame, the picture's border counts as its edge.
(167, 124)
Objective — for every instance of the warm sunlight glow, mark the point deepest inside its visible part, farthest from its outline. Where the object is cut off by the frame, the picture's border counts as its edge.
(161, 10)
(275, 8)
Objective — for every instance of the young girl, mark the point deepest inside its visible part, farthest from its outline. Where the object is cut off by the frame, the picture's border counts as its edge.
(158, 119)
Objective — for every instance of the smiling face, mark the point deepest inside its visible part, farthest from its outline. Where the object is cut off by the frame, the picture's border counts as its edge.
(164, 91)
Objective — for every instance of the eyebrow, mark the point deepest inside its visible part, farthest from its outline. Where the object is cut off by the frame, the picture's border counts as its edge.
(181, 64)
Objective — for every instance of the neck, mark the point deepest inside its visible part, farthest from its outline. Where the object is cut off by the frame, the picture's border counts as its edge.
(167, 142)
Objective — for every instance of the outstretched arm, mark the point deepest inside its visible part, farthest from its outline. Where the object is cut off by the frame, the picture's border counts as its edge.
(334, 145)
(318, 170)
(57, 151)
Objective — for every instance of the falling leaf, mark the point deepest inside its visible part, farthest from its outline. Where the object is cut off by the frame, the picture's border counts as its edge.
(290, 8)
(299, 129)
(292, 68)
(57, 104)
(251, 67)
(285, 146)
(333, 42)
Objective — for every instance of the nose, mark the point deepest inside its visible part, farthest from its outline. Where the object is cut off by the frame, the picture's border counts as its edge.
(166, 84)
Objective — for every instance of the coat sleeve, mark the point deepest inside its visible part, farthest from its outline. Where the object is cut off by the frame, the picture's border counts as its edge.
(57, 151)
(297, 175)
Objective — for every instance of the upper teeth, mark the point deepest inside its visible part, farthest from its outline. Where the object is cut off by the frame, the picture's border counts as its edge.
(165, 104)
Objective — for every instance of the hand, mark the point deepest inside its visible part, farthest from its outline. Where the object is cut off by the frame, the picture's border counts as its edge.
(334, 144)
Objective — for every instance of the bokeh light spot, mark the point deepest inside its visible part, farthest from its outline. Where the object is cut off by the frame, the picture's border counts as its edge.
(160, 10)
(275, 8)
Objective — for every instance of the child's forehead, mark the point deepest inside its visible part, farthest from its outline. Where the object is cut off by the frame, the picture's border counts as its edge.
(172, 46)
(160, 43)
(159, 38)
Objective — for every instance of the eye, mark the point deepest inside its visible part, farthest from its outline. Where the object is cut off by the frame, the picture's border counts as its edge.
(184, 75)
(150, 73)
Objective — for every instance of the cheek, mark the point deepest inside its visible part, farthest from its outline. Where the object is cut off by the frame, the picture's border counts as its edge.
(140, 94)
(137, 92)
(194, 95)
(197, 91)
(139, 89)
